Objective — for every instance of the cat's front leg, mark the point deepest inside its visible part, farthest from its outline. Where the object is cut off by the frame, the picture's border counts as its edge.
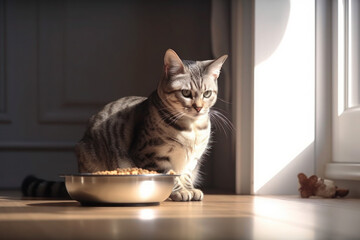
(184, 190)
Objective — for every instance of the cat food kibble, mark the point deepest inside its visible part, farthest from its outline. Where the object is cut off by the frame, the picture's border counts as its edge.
(130, 171)
(126, 171)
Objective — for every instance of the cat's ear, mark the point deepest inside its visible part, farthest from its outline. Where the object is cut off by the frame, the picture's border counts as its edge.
(215, 66)
(172, 64)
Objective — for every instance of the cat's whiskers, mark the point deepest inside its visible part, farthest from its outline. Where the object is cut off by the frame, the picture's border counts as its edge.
(172, 116)
(217, 123)
(222, 100)
(220, 120)
(226, 121)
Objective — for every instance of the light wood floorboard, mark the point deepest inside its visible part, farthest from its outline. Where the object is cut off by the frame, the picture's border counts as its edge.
(217, 217)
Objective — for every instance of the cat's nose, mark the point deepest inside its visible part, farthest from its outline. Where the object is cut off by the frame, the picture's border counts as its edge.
(198, 109)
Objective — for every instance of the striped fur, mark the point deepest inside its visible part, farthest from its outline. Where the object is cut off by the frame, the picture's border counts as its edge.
(166, 131)
(36, 187)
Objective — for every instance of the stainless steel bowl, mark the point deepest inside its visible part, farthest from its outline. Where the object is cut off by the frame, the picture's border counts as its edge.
(119, 189)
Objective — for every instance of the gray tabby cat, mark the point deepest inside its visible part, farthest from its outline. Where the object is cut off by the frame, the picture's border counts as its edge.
(169, 130)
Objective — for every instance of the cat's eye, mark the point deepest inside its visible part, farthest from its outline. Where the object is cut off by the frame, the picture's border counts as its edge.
(186, 93)
(207, 94)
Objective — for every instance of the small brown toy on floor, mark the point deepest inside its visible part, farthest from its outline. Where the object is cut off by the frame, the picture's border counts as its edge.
(315, 186)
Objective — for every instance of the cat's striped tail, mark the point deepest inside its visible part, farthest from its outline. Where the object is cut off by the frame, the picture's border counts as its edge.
(36, 187)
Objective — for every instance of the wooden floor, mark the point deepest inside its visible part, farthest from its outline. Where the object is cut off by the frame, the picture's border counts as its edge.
(217, 217)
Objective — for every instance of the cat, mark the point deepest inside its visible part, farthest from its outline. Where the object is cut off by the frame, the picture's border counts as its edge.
(169, 130)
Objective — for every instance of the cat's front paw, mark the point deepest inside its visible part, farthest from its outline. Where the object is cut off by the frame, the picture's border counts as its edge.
(184, 195)
(181, 195)
(197, 194)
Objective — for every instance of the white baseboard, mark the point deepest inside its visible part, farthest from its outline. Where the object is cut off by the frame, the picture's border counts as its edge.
(343, 171)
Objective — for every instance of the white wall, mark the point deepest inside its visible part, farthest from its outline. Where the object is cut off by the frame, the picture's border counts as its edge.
(284, 94)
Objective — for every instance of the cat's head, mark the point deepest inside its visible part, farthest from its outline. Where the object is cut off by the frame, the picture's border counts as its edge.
(189, 87)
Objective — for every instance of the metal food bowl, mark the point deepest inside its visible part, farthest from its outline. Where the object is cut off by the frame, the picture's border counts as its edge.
(91, 189)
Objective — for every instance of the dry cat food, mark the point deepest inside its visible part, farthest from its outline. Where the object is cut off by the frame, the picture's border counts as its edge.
(129, 171)
(126, 171)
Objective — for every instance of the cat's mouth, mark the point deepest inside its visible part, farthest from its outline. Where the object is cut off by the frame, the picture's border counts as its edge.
(193, 113)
